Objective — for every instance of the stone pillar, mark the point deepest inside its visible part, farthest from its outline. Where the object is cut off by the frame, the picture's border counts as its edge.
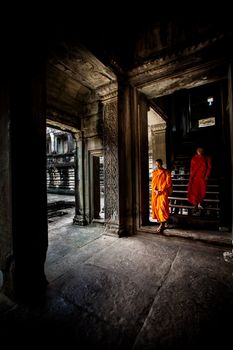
(228, 256)
(52, 142)
(111, 169)
(80, 212)
(23, 211)
(144, 199)
(118, 162)
(126, 120)
(70, 142)
(6, 239)
(55, 147)
(230, 94)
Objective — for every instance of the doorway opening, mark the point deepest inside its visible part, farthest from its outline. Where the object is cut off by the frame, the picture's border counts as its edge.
(156, 146)
(97, 188)
(60, 147)
(196, 117)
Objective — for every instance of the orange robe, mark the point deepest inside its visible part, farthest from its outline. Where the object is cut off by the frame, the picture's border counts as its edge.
(161, 180)
(200, 168)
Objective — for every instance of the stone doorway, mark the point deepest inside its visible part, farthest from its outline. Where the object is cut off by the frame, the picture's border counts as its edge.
(156, 144)
(97, 188)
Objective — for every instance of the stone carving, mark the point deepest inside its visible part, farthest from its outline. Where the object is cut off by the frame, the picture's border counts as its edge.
(185, 68)
(107, 91)
(78, 63)
(157, 128)
(111, 174)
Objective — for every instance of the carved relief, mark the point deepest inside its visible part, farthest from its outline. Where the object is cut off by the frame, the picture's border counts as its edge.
(184, 68)
(111, 174)
(80, 64)
(107, 91)
(157, 128)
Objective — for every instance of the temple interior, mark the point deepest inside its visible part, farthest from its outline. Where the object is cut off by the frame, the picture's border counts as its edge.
(88, 104)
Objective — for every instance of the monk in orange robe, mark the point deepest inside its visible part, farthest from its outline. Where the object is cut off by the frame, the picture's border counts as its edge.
(160, 185)
(200, 170)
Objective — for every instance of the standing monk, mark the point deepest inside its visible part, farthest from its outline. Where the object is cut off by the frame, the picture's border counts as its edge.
(161, 183)
(199, 172)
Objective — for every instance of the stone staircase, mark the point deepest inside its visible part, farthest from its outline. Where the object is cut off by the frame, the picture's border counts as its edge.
(181, 211)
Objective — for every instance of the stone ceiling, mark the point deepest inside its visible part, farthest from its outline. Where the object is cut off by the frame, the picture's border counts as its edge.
(74, 75)
(79, 64)
(83, 62)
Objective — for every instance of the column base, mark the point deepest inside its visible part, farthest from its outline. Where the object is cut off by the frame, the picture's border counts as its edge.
(79, 220)
(114, 229)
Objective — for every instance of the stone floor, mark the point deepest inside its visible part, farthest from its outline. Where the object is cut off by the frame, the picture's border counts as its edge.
(143, 292)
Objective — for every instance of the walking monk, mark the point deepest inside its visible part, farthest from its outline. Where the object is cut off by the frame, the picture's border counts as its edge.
(161, 184)
(200, 169)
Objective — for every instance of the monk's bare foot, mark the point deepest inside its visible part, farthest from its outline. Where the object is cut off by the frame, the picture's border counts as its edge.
(160, 228)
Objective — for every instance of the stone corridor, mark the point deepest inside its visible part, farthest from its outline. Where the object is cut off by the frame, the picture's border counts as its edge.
(141, 292)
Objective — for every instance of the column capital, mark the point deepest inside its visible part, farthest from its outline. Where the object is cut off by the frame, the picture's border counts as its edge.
(156, 128)
(78, 135)
(108, 91)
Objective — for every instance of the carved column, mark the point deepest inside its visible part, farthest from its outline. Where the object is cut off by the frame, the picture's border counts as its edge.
(118, 162)
(111, 170)
(80, 212)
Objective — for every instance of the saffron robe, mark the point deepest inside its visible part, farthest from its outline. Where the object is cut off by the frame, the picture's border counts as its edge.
(161, 181)
(200, 169)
